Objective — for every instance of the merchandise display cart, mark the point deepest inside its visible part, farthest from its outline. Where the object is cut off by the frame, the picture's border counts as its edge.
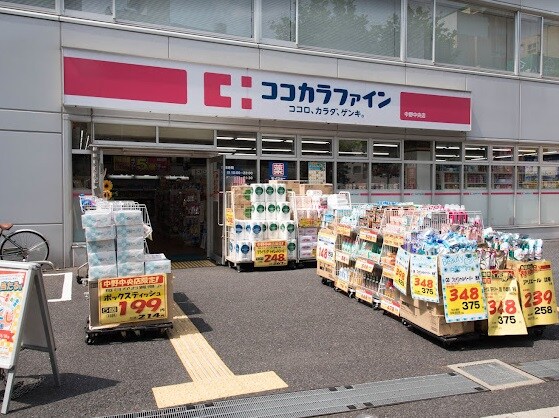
(129, 290)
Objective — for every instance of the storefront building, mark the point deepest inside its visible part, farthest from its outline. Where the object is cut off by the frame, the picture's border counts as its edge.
(174, 102)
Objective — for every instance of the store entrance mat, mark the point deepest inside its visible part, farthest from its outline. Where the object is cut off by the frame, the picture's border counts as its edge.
(494, 374)
(325, 401)
(544, 369)
(176, 265)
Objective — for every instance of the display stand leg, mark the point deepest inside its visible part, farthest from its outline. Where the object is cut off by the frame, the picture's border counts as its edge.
(8, 390)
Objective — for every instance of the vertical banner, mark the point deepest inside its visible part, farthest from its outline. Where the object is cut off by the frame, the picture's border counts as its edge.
(424, 278)
(464, 298)
(537, 292)
(317, 172)
(503, 306)
(12, 300)
(401, 270)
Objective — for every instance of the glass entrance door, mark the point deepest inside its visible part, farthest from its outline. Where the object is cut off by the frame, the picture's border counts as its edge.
(216, 209)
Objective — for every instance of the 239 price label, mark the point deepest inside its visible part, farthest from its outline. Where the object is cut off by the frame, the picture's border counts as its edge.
(465, 299)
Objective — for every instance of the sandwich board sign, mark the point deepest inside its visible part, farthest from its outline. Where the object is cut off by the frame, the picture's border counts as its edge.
(24, 319)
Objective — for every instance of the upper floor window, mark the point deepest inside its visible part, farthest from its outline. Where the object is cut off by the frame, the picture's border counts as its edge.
(530, 44)
(362, 26)
(279, 20)
(420, 29)
(100, 7)
(551, 48)
(45, 4)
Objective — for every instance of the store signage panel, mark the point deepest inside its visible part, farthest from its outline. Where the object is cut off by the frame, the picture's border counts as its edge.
(149, 85)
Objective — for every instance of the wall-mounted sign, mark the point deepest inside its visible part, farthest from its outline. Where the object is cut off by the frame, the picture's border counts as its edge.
(277, 170)
(100, 80)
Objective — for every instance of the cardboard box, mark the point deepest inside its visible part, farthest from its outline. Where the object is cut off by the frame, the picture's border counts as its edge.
(242, 211)
(426, 317)
(325, 188)
(240, 195)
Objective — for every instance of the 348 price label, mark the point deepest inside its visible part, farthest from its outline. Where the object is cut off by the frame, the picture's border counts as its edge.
(465, 299)
(425, 288)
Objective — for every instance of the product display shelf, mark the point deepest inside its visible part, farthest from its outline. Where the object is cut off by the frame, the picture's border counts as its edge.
(344, 254)
(307, 217)
(367, 266)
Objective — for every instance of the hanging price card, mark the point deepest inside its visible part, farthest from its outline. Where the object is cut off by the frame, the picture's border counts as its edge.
(463, 295)
(270, 253)
(401, 270)
(364, 264)
(537, 292)
(342, 257)
(229, 217)
(424, 279)
(368, 234)
(503, 307)
(393, 240)
(344, 230)
(132, 299)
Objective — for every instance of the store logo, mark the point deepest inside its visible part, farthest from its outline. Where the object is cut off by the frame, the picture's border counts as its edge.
(278, 169)
(212, 90)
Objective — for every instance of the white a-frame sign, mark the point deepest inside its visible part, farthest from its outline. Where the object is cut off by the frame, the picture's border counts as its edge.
(24, 319)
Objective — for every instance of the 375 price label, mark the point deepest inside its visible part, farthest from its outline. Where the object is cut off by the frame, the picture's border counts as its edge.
(464, 300)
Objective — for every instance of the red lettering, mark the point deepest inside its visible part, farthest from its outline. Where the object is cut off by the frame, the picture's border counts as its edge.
(212, 89)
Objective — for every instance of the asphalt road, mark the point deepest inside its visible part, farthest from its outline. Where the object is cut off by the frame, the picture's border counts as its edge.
(284, 321)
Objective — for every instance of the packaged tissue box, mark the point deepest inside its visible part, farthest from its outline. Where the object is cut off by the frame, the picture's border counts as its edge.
(102, 272)
(100, 234)
(130, 231)
(101, 258)
(127, 256)
(128, 217)
(101, 246)
(97, 218)
(125, 244)
(157, 263)
(130, 269)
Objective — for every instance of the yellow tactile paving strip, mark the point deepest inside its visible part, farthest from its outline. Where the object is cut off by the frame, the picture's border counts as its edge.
(191, 264)
(211, 378)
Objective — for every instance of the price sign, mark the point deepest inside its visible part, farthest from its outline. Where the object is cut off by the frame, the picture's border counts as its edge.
(401, 270)
(342, 285)
(132, 299)
(309, 222)
(393, 240)
(368, 235)
(342, 257)
(344, 230)
(364, 294)
(364, 264)
(503, 308)
(390, 305)
(424, 278)
(464, 298)
(326, 252)
(537, 293)
(229, 217)
(270, 253)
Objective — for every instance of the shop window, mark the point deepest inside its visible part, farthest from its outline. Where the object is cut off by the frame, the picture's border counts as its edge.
(417, 176)
(284, 145)
(186, 136)
(501, 176)
(81, 135)
(528, 154)
(316, 172)
(238, 172)
(385, 176)
(316, 146)
(279, 19)
(551, 154)
(550, 48)
(474, 36)
(233, 17)
(353, 148)
(420, 29)
(81, 184)
(125, 133)
(237, 143)
(549, 196)
(364, 26)
(447, 177)
(100, 7)
(530, 44)
(278, 170)
(475, 176)
(527, 177)
(475, 153)
(501, 154)
(448, 151)
(550, 177)
(386, 150)
(352, 175)
(417, 150)
(44, 4)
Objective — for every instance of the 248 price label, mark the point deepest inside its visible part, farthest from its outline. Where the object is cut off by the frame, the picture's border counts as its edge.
(465, 299)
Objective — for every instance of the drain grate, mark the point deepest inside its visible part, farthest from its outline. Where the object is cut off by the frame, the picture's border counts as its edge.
(544, 369)
(325, 401)
(494, 374)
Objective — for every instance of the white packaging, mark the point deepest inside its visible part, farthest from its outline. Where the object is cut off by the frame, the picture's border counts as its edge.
(272, 209)
(97, 218)
(101, 258)
(100, 234)
(231, 250)
(270, 192)
(273, 230)
(130, 269)
(130, 256)
(307, 250)
(259, 211)
(156, 263)
(239, 229)
(291, 249)
(130, 231)
(102, 272)
(243, 250)
(308, 231)
(284, 212)
(258, 193)
(281, 192)
(307, 238)
(256, 232)
(128, 217)
(101, 246)
(129, 244)
(291, 229)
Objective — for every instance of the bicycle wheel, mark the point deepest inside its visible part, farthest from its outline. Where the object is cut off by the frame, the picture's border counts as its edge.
(24, 246)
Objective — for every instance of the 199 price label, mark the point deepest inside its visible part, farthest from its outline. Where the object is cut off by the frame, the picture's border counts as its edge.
(465, 299)
(144, 309)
